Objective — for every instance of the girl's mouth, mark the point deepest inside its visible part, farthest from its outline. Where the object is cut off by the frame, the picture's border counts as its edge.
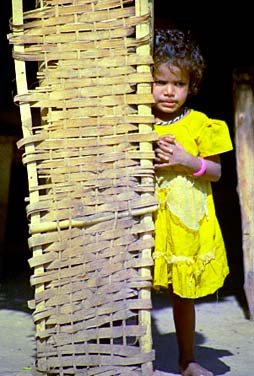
(168, 104)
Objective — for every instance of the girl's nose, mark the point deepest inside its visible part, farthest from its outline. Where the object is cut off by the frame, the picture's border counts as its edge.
(169, 90)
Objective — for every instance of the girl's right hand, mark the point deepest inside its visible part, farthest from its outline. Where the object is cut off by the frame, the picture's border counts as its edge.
(163, 149)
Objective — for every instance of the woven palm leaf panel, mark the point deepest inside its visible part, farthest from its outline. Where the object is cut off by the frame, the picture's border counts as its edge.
(90, 177)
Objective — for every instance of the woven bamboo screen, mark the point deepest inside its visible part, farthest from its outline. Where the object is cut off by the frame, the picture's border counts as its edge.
(90, 177)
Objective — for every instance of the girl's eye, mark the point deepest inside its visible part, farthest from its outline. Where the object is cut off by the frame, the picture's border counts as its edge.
(160, 83)
(180, 84)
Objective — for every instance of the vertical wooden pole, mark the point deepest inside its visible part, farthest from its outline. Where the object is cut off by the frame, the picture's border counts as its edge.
(244, 141)
(27, 125)
(143, 7)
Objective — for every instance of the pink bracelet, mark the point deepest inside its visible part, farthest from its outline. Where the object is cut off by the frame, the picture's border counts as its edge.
(202, 169)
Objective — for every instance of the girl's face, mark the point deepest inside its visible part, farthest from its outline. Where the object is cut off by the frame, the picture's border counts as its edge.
(170, 90)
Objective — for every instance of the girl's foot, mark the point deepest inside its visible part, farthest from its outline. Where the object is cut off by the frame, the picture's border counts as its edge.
(194, 369)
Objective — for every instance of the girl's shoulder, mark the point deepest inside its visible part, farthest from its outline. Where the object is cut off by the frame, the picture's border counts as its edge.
(198, 116)
(201, 122)
(202, 118)
(212, 135)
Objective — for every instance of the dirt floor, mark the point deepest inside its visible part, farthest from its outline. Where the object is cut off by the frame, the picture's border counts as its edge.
(224, 336)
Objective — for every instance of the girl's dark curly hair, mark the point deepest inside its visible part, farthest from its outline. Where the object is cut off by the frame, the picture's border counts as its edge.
(174, 47)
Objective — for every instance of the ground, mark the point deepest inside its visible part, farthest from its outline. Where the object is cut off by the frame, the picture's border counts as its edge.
(224, 336)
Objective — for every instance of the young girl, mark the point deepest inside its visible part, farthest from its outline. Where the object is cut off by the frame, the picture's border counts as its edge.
(189, 256)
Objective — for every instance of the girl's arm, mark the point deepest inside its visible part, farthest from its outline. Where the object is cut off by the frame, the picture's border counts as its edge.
(213, 167)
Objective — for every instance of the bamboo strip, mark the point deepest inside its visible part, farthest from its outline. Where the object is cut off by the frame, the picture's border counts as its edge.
(63, 224)
(68, 23)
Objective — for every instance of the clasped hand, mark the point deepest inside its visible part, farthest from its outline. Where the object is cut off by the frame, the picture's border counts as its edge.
(168, 152)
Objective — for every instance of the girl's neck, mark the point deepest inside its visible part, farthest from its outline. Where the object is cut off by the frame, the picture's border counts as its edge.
(171, 118)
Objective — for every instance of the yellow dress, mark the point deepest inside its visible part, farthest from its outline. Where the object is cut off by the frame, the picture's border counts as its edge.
(189, 249)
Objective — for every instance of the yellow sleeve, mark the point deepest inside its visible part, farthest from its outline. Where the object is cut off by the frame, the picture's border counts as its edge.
(214, 138)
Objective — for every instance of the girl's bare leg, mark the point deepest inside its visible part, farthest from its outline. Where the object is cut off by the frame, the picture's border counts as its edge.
(184, 318)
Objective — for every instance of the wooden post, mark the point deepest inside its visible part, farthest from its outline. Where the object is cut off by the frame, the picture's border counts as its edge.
(27, 125)
(244, 143)
(142, 30)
